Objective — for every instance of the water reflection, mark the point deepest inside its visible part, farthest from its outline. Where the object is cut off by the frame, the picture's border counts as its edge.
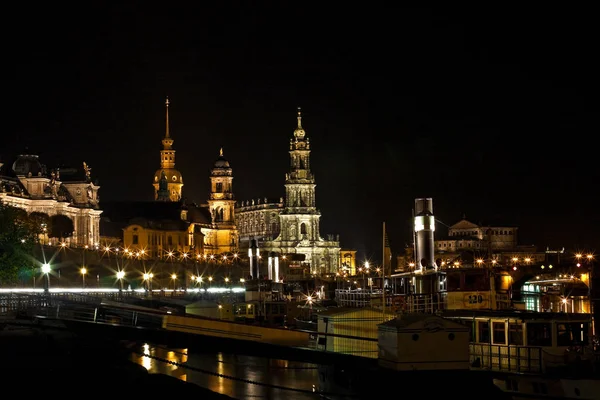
(233, 374)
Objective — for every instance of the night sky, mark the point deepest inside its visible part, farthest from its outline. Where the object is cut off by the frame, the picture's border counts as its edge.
(488, 111)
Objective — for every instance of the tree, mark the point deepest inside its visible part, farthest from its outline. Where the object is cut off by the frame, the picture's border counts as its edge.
(61, 226)
(38, 220)
(17, 238)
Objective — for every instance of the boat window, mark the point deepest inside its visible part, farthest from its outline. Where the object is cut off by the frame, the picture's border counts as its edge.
(568, 334)
(453, 281)
(539, 334)
(484, 331)
(499, 333)
(515, 334)
(476, 282)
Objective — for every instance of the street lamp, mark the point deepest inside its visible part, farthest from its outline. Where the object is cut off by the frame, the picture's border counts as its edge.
(83, 272)
(148, 277)
(120, 276)
(46, 270)
(174, 277)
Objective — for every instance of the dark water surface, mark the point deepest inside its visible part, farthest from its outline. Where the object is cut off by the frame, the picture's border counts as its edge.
(235, 375)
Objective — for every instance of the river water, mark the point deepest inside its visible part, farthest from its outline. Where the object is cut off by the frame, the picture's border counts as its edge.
(235, 375)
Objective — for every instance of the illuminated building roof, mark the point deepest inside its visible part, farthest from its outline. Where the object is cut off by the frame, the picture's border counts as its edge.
(221, 161)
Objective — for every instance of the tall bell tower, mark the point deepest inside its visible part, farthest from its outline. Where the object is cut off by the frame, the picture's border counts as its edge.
(299, 235)
(167, 167)
(222, 201)
(300, 214)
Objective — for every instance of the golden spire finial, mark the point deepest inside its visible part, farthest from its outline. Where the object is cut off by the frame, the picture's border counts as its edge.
(299, 132)
(167, 107)
(221, 152)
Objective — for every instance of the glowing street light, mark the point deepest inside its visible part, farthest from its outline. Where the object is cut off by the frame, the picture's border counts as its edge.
(148, 277)
(46, 270)
(174, 277)
(83, 272)
(120, 276)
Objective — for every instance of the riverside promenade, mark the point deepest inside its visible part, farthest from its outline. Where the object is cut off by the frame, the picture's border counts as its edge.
(41, 360)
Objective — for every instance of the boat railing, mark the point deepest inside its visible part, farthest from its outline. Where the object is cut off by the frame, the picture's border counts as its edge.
(524, 359)
(400, 303)
(424, 303)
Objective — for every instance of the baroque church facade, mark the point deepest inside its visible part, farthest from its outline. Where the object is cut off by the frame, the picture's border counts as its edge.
(290, 228)
(70, 192)
(287, 228)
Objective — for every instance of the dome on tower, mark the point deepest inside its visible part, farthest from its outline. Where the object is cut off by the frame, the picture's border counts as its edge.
(221, 161)
(27, 164)
(172, 175)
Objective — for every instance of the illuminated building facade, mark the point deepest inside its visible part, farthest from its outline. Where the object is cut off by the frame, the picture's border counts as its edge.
(258, 219)
(220, 234)
(156, 228)
(348, 262)
(467, 235)
(68, 192)
(168, 182)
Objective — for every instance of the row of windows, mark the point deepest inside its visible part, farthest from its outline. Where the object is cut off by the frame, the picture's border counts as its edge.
(538, 334)
(477, 233)
(158, 240)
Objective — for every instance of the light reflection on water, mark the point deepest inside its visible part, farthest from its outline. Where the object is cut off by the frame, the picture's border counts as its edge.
(284, 373)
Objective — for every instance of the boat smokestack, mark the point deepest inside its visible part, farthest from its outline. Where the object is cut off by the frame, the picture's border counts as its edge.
(424, 229)
(254, 257)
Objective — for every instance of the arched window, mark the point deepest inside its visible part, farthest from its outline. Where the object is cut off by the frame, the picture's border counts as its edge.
(303, 228)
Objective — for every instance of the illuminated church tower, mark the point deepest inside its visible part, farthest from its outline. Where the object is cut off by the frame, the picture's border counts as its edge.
(221, 202)
(167, 168)
(221, 237)
(300, 218)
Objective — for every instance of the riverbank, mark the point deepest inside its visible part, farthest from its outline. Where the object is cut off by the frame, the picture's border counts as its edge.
(47, 361)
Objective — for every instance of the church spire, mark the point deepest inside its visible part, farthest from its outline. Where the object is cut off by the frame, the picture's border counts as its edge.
(299, 132)
(172, 177)
(167, 119)
(167, 141)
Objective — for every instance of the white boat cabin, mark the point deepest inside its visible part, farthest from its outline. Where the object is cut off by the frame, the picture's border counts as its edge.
(523, 341)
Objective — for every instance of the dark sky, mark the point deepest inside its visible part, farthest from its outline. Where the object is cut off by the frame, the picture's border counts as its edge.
(489, 111)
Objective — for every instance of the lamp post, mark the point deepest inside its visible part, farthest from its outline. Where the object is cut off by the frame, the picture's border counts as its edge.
(174, 277)
(120, 276)
(83, 272)
(590, 262)
(46, 271)
(148, 279)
